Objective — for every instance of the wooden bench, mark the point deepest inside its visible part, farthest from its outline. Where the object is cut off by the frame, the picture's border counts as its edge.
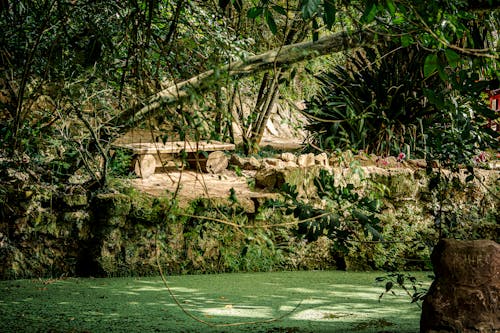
(208, 156)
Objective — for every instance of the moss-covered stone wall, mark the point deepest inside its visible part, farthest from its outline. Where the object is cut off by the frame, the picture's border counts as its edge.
(47, 231)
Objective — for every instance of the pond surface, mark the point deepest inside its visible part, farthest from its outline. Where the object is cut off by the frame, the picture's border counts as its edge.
(306, 301)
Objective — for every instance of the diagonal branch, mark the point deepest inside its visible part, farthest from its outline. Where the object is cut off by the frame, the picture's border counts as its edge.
(285, 56)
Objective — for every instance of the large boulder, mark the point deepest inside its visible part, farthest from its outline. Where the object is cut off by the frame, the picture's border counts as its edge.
(465, 295)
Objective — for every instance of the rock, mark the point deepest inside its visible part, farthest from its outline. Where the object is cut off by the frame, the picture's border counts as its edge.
(366, 160)
(252, 164)
(245, 163)
(465, 294)
(435, 164)
(273, 163)
(419, 163)
(301, 178)
(289, 164)
(266, 178)
(388, 162)
(288, 157)
(77, 217)
(343, 159)
(237, 160)
(145, 166)
(306, 160)
(216, 162)
(112, 204)
(321, 160)
(75, 200)
(401, 183)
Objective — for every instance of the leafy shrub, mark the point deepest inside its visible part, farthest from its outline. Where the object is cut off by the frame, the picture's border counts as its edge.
(120, 163)
(374, 103)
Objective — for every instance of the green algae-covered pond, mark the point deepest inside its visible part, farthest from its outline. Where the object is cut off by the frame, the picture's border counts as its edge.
(330, 301)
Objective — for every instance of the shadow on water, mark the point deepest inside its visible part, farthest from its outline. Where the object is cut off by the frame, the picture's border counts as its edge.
(330, 301)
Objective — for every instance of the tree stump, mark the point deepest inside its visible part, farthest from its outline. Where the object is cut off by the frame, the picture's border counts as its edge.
(145, 165)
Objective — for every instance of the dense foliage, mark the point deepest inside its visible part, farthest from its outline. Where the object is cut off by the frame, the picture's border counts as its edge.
(75, 75)
(426, 96)
(70, 70)
(378, 106)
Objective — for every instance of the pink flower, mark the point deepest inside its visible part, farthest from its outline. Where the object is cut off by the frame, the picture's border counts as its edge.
(481, 158)
(401, 157)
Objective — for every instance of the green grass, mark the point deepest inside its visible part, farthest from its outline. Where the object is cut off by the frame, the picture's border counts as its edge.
(332, 301)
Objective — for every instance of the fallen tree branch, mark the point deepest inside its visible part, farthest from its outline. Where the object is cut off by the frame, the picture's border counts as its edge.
(279, 58)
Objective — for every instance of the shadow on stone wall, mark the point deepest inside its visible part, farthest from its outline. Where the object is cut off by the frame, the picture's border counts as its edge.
(47, 233)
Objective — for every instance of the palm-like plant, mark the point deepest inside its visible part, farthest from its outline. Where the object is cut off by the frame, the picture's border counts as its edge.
(375, 103)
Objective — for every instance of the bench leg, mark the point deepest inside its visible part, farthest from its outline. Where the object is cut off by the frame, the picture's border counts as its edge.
(144, 165)
(216, 162)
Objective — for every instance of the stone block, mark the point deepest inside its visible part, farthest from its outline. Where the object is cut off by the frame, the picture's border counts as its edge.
(321, 160)
(465, 295)
(306, 160)
(273, 163)
(245, 163)
(112, 204)
(266, 178)
(290, 164)
(367, 160)
(75, 200)
(288, 157)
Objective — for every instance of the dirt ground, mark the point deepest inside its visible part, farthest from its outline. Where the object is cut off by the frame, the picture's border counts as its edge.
(190, 184)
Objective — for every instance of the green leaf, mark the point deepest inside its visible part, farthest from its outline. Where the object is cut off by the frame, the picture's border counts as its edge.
(452, 57)
(255, 12)
(270, 21)
(279, 10)
(309, 8)
(442, 73)
(370, 13)
(407, 40)
(329, 13)
(391, 7)
(430, 65)
(436, 99)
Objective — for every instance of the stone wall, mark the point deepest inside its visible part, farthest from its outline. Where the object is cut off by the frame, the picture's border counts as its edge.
(53, 232)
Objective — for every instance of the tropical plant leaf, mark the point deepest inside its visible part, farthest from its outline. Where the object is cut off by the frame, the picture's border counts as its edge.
(391, 7)
(329, 13)
(430, 65)
(255, 12)
(452, 57)
(279, 10)
(309, 8)
(271, 23)
(370, 12)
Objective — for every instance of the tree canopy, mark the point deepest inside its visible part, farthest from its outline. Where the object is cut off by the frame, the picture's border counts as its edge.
(107, 66)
